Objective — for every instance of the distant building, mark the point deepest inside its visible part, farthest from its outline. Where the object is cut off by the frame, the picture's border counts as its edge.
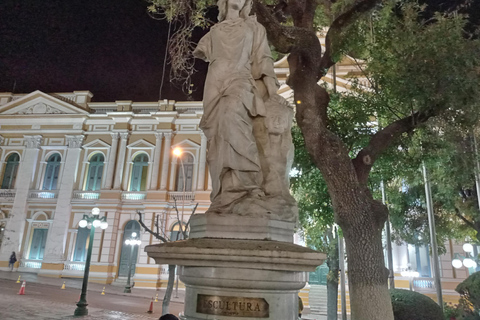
(61, 155)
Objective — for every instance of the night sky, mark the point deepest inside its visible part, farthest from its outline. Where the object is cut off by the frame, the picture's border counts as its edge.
(110, 47)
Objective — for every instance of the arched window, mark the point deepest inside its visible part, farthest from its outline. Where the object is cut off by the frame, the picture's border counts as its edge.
(11, 168)
(51, 172)
(187, 160)
(81, 244)
(130, 227)
(138, 179)
(176, 233)
(95, 170)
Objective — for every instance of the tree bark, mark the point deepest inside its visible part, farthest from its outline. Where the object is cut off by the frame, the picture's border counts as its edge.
(168, 292)
(360, 217)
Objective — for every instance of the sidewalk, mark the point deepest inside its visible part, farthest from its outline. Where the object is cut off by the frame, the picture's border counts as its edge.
(92, 287)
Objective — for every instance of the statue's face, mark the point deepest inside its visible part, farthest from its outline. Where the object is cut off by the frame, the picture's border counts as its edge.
(236, 4)
(276, 123)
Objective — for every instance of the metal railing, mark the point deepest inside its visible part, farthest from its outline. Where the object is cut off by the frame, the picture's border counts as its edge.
(33, 264)
(180, 196)
(423, 283)
(7, 194)
(134, 195)
(86, 195)
(43, 194)
(74, 266)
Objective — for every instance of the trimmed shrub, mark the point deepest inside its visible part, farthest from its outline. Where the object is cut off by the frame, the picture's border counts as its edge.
(469, 290)
(411, 305)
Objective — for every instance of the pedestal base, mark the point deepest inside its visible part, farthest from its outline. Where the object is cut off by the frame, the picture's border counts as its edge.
(230, 226)
(231, 279)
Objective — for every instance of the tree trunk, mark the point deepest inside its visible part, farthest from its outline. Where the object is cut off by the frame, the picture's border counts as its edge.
(168, 292)
(332, 299)
(367, 275)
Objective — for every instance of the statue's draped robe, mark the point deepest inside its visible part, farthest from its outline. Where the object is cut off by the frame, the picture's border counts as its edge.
(239, 56)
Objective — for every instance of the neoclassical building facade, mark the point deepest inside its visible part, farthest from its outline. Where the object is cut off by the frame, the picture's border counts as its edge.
(61, 155)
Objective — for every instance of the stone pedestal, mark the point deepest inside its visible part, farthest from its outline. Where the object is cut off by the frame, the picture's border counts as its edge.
(238, 279)
(235, 227)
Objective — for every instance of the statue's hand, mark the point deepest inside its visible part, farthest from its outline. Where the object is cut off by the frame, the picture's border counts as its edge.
(277, 99)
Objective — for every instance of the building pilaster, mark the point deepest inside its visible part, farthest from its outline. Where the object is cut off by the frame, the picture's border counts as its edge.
(121, 160)
(55, 247)
(13, 233)
(201, 167)
(111, 160)
(156, 160)
(166, 160)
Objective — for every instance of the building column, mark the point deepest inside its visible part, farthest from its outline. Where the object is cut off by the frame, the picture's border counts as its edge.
(57, 233)
(156, 160)
(121, 160)
(13, 233)
(2, 139)
(110, 237)
(201, 167)
(111, 161)
(209, 181)
(166, 160)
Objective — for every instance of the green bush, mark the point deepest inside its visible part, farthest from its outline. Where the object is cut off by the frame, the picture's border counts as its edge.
(411, 305)
(469, 289)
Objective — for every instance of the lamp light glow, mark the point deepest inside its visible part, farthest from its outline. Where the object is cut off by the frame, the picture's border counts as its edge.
(467, 247)
(134, 234)
(177, 152)
(96, 223)
(469, 263)
(104, 225)
(95, 211)
(457, 263)
(82, 223)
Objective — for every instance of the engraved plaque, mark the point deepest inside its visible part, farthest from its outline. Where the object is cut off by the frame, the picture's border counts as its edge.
(233, 306)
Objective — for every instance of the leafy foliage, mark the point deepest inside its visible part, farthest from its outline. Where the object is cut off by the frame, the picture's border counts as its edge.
(469, 289)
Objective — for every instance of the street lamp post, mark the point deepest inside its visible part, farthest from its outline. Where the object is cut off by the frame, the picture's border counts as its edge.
(93, 221)
(178, 153)
(467, 261)
(132, 242)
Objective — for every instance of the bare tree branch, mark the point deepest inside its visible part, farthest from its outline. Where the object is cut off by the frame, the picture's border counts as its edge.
(339, 24)
(282, 37)
(381, 140)
(155, 234)
(468, 222)
(189, 219)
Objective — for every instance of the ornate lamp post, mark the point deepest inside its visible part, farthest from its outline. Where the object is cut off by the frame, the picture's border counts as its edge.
(468, 261)
(178, 153)
(132, 242)
(93, 221)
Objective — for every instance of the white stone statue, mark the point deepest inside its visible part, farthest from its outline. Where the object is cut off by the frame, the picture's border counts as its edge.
(248, 154)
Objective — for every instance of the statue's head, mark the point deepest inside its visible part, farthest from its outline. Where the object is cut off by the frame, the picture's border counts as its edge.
(279, 118)
(245, 6)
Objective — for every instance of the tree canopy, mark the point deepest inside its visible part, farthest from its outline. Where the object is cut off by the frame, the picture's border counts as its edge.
(418, 66)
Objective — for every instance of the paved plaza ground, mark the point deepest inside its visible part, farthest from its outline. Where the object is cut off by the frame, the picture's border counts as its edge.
(45, 300)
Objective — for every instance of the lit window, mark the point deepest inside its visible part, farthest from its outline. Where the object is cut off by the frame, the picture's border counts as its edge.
(51, 172)
(187, 160)
(95, 171)
(138, 180)
(11, 168)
